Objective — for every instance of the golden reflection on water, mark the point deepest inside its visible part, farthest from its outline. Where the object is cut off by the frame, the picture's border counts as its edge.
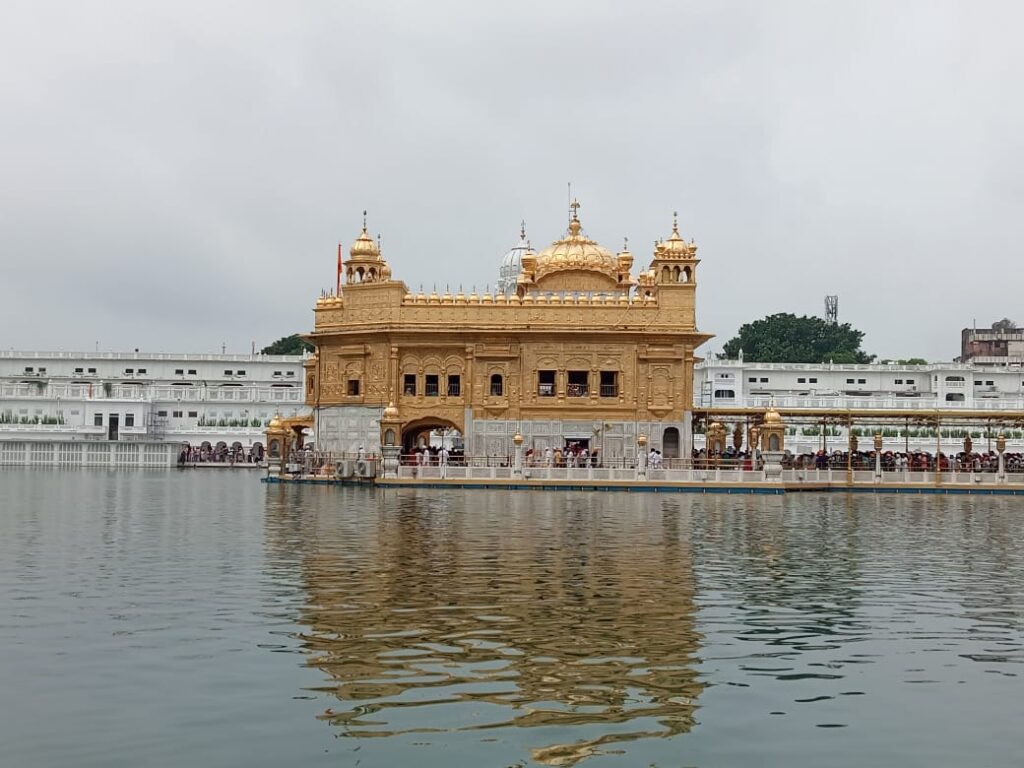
(485, 611)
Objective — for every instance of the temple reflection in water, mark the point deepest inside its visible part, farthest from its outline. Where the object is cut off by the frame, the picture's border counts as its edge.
(527, 615)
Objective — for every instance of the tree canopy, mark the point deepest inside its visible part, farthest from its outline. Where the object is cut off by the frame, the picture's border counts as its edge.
(1006, 324)
(786, 338)
(288, 345)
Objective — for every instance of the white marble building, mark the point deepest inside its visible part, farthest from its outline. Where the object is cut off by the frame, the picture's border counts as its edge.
(146, 397)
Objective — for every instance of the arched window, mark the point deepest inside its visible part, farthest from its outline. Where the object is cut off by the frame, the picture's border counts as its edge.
(675, 274)
(687, 274)
(725, 394)
(497, 385)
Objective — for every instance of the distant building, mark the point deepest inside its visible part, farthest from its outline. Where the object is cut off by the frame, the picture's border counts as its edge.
(127, 397)
(745, 384)
(992, 346)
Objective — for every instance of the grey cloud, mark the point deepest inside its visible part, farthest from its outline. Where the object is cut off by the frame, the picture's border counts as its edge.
(177, 176)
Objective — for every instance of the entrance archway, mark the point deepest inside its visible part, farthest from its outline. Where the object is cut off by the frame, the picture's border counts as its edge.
(431, 430)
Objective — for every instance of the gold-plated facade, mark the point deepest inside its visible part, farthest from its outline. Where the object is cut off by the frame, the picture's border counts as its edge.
(582, 350)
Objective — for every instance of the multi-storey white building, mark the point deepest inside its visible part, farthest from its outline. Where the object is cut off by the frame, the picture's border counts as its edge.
(738, 383)
(127, 397)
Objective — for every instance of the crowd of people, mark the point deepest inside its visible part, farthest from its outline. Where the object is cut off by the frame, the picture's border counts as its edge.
(891, 461)
(434, 456)
(907, 461)
(573, 455)
(220, 454)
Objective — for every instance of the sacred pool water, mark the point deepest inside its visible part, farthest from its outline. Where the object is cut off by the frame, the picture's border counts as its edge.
(204, 618)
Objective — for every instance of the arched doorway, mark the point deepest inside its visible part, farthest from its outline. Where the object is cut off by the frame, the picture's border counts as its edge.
(670, 442)
(432, 432)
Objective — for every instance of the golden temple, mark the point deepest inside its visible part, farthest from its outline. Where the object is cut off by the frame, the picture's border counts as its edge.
(578, 350)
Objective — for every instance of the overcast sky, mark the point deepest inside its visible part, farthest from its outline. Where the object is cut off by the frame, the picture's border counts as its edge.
(175, 176)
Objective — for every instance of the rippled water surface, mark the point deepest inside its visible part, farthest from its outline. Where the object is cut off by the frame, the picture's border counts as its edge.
(203, 618)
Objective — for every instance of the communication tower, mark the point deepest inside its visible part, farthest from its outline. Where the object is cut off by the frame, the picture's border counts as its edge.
(832, 309)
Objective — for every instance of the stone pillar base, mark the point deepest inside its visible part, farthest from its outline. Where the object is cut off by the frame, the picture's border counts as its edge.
(773, 466)
(389, 461)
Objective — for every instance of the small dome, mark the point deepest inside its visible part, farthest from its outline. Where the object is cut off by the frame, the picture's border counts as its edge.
(390, 413)
(275, 422)
(512, 263)
(675, 246)
(771, 416)
(364, 248)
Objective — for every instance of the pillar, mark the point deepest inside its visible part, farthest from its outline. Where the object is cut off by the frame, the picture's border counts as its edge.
(641, 457)
(1001, 449)
(517, 456)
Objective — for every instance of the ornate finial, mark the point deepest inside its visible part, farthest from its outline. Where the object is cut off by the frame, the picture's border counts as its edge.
(625, 244)
(675, 223)
(364, 220)
(379, 249)
(522, 229)
(574, 222)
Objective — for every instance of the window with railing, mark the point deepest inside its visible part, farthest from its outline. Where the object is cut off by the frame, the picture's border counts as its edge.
(546, 383)
(609, 383)
(497, 385)
(454, 385)
(409, 384)
(578, 384)
(430, 388)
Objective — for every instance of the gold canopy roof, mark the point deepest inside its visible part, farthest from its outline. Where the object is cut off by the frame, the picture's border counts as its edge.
(365, 247)
(675, 246)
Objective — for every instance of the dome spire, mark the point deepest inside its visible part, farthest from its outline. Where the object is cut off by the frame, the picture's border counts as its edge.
(574, 220)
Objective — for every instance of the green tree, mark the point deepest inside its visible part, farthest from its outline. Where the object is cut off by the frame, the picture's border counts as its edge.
(786, 338)
(288, 345)
(1006, 324)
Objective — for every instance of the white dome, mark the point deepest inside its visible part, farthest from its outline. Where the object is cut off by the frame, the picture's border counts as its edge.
(512, 264)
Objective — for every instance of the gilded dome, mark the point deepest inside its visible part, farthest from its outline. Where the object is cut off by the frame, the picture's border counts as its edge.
(577, 253)
(675, 246)
(364, 248)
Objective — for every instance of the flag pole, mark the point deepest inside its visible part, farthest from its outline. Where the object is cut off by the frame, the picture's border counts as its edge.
(337, 290)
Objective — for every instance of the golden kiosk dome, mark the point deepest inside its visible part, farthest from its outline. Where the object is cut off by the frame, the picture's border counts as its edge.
(675, 247)
(364, 248)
